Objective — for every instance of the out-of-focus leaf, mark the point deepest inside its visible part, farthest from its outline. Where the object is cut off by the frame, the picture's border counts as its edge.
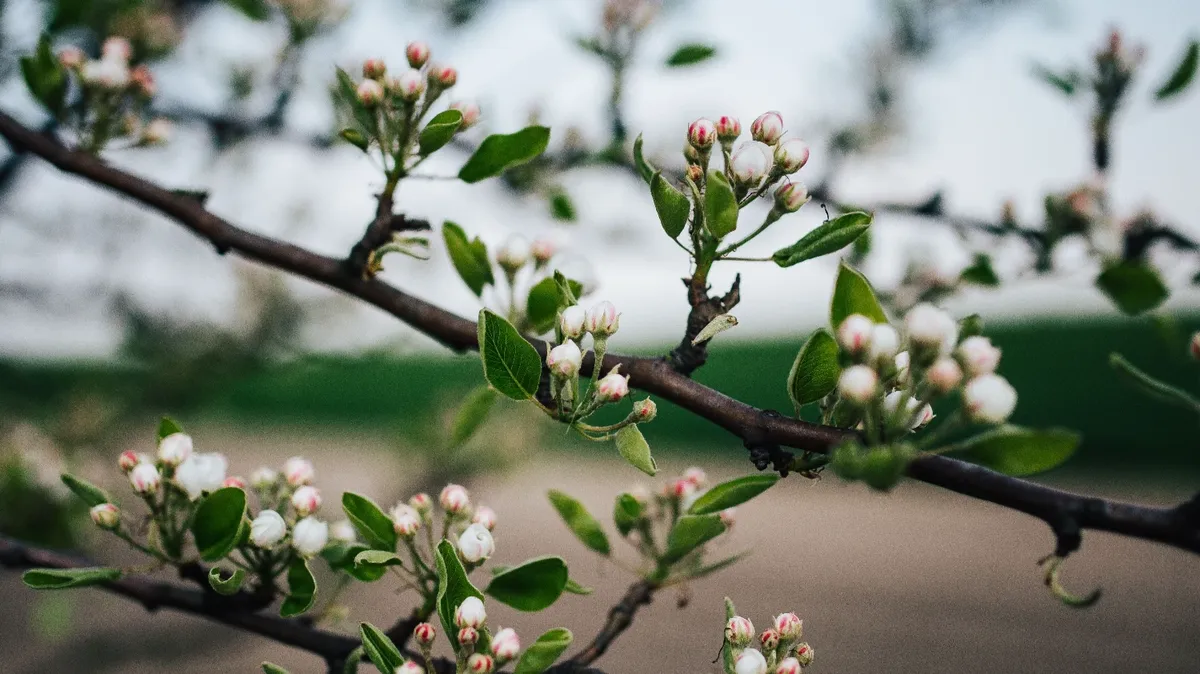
(1183, 74)
(691, 54)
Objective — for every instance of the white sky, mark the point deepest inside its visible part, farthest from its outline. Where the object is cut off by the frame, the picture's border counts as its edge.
(978, 126)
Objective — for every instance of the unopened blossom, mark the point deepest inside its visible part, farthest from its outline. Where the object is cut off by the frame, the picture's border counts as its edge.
(425, 633)
(543, 248)
(157, 132)
(409, 85)
(728, 517)
(175, 449)
(750, 163)
(442, 77)
(565, 360)
(128, 460)
(476, 544)
(470, 115)
(201, 473)
(728, 128)
(417, 53)
(514, 253)
(263, 477)
(267, 529)
(790, 196)
(612, 387)
(769, 639)
(480, 663)
(931, 328)
(702, 133)
(369, 93)
(374, 69)
(750, 661)
(309, 536)
(470, 613)
(454, 499)
(989, 399)
(791, 155)
(788, 666)
(804, 653)
(234, 481)
(298, 471)
(106, 516)
(679, 489)
(978, 356)
(767, 128)
(916, 412)
(858, 384)
(854, 334)
(485, 516)
(944, 375)
(739, 631)
(505, 644)
(106, 73)
(71, 57)
(645, 410)
(116, 49)
(884, 343)
(468, 636)
(789, 625)
(571, 321)
(406, 520)
(343, 531)
(901, 362)
(143, 79)
(421, 502)
(410, 667)
(602, 319)
(145, 478)
(306, 500)
(696, 476)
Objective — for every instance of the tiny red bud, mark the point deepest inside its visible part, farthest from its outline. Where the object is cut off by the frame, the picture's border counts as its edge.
(701, 134)
(728, 128)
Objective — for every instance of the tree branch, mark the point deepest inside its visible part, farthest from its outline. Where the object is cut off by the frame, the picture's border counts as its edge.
(761, 428)
(620, 617)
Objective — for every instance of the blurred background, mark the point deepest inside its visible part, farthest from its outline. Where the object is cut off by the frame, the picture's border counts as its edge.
(945, 116)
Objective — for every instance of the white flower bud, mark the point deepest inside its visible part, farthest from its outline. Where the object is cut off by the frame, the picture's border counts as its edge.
(175, 449)
(702, 133)
(767, 128)
(201, 473)
(454, 499)
(106, 516)
(343, 531)
(470, 613)
(476, 544)
(885, 343)
(309, 536)
(306, 500)
(234, 481)
(944, 375)
(470, 114)
(505, 645)
(298, 471)
(485, 516)
(728, 128)
(728, 516)
(514, 254)
(263, 477)
(106, 73)
(902, 362)
(791, 155)
(790, 196)
(917, 413)
(804, 653)
(989, 398)
(750, 163)
(145, 478)
(406, 520)
(978, 356)
(931, 328)
(696, 476)
(571, 321)
(612, 387)
(421, 502)
(480, 663)
(750, 661)
(410, 667)
(267, 529)
(564, 360)
(409, 85)
(739, 631)
(788, 666)
(128, 460)
(369, 92)
(602, 319)
(417, 54)
(116, 49)
(858, 384)
(854, 334)
(374, 69)
(789, 626)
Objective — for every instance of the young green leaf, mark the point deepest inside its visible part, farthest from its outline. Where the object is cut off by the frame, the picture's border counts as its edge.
(167, 426)
(510, 364)
(272, 668)
(576, 588)
(223, 584)
(470, 258)
(1183, 75)
(691, 54)
(1133, 286)
(644, 167)
(370, 521)
(355, 138)
(580, 521)
(1159, 390)
(498, 153)
(471, 414)
(634, 449)
(1017, 451)
(1067, 82)
(379, 558)
(672, 206)
(439, 131)
(532, 586)
(219, 523)
(970, 326)
(852, 294)
(347, 94)
(88, 492)
(980, 272)
(732, 493)
(709, 569)
(380, 649)
(569, 291)
(453, 587)
(62, 579)
(255, 10)
(341, 557)
(542, 305)
(720, 206)
(561, 206)
(45, 77)
(302, 589)
(689, 533)
(627, 510)
(543, 652)
(815, 371)
(828, 237)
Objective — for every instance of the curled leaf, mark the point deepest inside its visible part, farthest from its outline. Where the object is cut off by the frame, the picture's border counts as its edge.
(715, 327)
(1050, 566)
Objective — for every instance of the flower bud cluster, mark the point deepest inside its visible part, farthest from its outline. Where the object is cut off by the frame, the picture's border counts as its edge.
(779, 649)
(657, 511)
(470, 617)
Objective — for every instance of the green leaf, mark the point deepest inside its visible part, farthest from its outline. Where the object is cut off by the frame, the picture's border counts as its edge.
(709, 569)
(689, 533)
(828, 237)
(1183, 75)
(167, 426)
(380, 650)
(720, 205)
(971, 326)
(225, 585)
(672, 206)
(341, 558)
(691, 54)
(88, 492)
(580, 521)
(498, 153)
(271, 668)
(852, 294)
(532, 586)
(1156, 389)
(576, 588)
(348, 94)
(634, 449)
(355, 138)
(45, 77)
(378, 558)
(439, 131)
(510, 364)
(302, 589)
(644, 167)
(568, 290)
(980, 272)
(816, 370)
(1133, 286)
(542, 305)
(543, 652)
(256, 10)
(470, 258)
(561, 206)
(62, 579)
(453, 588)
(732, 493)
(471, 415)
(1067, 82)
(1017, 451)
(627, 510)
(376, 528)
(219, 523)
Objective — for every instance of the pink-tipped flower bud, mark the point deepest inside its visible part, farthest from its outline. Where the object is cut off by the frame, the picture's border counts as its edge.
(409, 85)
(739, 631)
(728, 517)
(421, 502)
(750, 661)
(480, 663)
(485, 516)
(175, 449)
(468, 636)
(410, 667)
(263, 477)
(406, 520)
(455, 499)
(543, 249)
(267, 529)
(514, 254)
(505, 645)
(854, 334)
(476, 544)
(917, 413)
(470, 613)
(470, 113)
(931, 328)
(791, 155)
(804, 653)
(143, 81)
(702, 134)
(612, 387)
(750, 164)
(769, 639)
(695, 172)
(571, 322)
(128, 460)
(790, 196)
(788, 666)
(602, 319)
(564, 360)
(944, 375)
(425, 633)
(374, 69)
(858, 384)
(106, 516)
(789, 625)
(145, 478)
(298, 471)
(71, 58)
(370, 93)
(306, 500)
(989, 399)
(978, 356)
(442, 77)
(645, 410)
(1194, 346)
(106, 73)
(679, 490)
(417, 53)
(235, 481)
(117, 49)
(728, 128)
(696, 476)
(767, 128)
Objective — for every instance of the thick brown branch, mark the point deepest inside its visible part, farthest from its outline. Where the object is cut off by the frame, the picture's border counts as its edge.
(653, 375)
(620, 617)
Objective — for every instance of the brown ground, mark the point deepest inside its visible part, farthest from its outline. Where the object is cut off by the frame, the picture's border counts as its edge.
(916, 581)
